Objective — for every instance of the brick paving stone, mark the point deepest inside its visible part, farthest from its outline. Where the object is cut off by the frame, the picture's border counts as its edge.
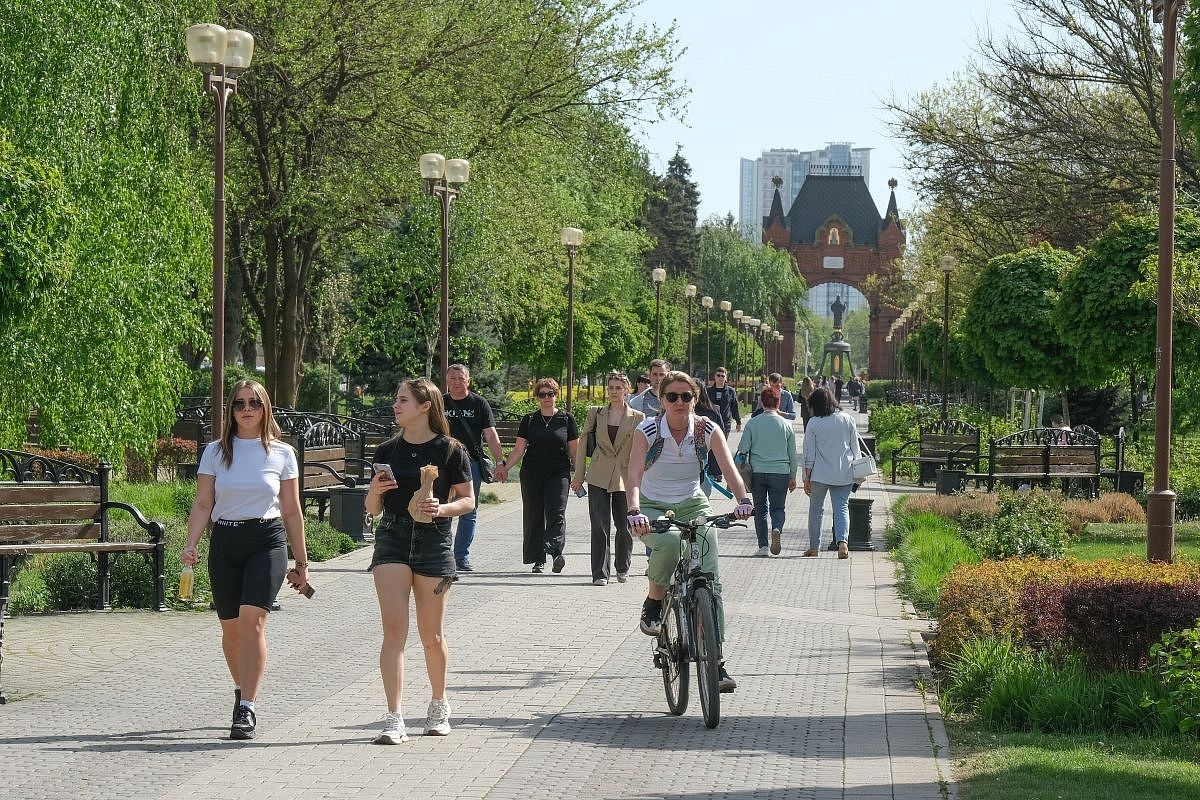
(553, 691)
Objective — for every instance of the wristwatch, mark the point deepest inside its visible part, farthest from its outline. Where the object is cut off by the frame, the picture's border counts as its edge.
(300, 564)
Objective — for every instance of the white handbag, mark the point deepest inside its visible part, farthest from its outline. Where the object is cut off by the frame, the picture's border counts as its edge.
(864, 466)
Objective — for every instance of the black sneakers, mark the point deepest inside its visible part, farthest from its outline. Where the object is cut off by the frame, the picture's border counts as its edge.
(651, 617)
(726, 684)
(243, 723)
(559, 563)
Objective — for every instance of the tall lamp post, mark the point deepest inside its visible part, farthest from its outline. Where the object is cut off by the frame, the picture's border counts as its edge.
(948, 264)
(444, 179)
(571, 239)
(754, 323)
(1160, 504)
(778, 352)
(659, 276)
(707, 303)
(765, 330)
(222, 55)
(736, 314)
(726, 308)
(689, 292)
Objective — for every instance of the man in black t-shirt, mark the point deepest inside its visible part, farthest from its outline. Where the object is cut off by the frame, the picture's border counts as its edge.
(471, 421)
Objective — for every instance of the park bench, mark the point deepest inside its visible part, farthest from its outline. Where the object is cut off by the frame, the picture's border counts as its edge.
(52, 506)
(1041, 455)
(321, 453)
(940, 443)
(506, 430)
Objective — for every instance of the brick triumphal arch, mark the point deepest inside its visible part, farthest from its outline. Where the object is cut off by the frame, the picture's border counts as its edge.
(834, 232)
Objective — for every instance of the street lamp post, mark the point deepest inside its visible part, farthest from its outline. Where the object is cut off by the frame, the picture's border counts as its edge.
(689, 292)
(778, 351)
(444, 179)
(571, 239)
(707, 303)
(726, 308)
(754, 323)
(658, 275)
(948, 264)
(222, 55)
(1160, 504)
(765, 331)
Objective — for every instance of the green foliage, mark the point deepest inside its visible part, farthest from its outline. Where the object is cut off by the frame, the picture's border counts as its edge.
(324, 542)
(761, 281)
(928, 548)
(1011, 319)
(670, 216)
(95, 348)
(1028, 523)
(70, 581)
(28, 593)
(198, 383)
(1176, 663)
(319, 387)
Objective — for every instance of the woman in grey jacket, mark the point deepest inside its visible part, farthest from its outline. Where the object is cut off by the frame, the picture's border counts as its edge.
(611, 427)
(830, 447)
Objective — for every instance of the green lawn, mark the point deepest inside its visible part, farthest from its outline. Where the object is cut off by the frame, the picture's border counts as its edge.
(991, 765)
(1116, 540)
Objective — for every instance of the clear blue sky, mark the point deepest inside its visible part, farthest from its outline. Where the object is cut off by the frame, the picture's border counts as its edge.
(814, 75)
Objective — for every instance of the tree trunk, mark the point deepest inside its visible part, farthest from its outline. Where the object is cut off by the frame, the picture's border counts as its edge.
(1066, 410)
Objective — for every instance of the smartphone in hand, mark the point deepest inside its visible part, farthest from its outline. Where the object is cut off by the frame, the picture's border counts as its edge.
(386, 469)
(293, 579)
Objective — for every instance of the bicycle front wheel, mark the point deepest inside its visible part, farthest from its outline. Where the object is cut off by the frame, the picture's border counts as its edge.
(673, 656)
(708, 655)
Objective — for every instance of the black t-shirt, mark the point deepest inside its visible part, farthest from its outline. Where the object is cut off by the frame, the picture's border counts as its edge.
(546, 443)
(407, 459)
(468, 417)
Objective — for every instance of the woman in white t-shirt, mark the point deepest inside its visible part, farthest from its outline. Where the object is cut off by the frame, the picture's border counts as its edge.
(248, 487)
(666, 468)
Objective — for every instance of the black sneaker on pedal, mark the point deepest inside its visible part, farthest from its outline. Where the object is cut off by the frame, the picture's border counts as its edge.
(726, 684)
(651, 617)
(243, 723)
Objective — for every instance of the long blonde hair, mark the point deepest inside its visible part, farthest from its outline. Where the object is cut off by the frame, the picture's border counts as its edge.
(268, 429)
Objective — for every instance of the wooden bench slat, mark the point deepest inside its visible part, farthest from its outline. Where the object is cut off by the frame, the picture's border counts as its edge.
(34, 533)
(81, 547)
(48, 493)
(321, 481)
(48, 512)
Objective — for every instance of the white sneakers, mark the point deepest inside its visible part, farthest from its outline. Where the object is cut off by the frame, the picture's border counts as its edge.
(762, 552)
(437, 718)
(393, 729)
(437, 723)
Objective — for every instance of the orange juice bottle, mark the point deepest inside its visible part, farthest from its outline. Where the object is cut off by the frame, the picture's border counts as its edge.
(187, 579)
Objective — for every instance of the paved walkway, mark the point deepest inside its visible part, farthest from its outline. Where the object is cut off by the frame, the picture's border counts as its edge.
(552, 686)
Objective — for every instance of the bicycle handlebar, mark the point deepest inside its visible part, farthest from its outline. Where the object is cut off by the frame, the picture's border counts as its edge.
(717, 521)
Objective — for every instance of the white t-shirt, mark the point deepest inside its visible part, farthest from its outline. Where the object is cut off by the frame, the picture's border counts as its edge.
(249, 487)
(675, 474)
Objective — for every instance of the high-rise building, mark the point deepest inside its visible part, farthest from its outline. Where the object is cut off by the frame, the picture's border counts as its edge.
(792, 166)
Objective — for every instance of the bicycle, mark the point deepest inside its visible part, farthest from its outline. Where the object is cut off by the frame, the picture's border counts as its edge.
(688, 629)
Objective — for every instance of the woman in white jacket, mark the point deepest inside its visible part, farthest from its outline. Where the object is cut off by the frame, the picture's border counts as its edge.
(830, 447)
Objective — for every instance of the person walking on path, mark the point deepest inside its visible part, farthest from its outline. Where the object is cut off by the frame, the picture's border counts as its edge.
(649, 402)
(471, 421)
(413, 557)
(248, 488)
(830, 447)
(770, 443)
(610, 428)
(666, 467)
(548, 441)
(805, 391)
(787, 405)
(724, 398)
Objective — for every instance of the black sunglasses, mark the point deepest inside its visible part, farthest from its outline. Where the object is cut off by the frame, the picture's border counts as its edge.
(253, 402)
(675, 397)
(547, 394)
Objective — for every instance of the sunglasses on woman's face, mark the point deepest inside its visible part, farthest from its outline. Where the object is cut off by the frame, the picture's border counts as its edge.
(679, 397)
(253, 403)
(544, 395)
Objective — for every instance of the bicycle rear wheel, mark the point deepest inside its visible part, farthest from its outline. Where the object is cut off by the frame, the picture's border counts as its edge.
(708, 655)
(673, 656)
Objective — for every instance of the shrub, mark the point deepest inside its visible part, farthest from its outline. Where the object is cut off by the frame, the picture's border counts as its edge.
(1176, 663)
(928, 548)
(324, 542)
(70, 581)
(88, 462)
(982, 600)
(1111, 623)
(28, 593)
(1027, 524)
(1110, 507)
(131, 581)
(319, 387)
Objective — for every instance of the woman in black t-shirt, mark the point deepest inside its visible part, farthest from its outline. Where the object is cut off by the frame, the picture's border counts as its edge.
(416, 557)
(548, 440)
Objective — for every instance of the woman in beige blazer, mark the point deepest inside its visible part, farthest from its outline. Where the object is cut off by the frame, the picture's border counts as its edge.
(612, 426)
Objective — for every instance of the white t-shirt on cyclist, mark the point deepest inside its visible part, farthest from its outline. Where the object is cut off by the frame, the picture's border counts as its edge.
(249, 487)
(675, 474)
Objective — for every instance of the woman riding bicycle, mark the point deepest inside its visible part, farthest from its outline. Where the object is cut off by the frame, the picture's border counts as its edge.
(665, 472)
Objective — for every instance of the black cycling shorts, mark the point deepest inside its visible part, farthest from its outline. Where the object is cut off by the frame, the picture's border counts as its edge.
(246, 564)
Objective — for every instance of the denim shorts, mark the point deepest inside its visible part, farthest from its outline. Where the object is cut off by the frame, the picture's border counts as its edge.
(424, 547)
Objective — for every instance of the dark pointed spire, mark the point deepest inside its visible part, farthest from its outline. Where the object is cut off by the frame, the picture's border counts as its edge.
(776, 205)
(892, 212)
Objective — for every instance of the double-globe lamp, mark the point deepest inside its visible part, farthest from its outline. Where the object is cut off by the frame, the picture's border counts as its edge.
(222, 55)
(444, 179)
(707, 303)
